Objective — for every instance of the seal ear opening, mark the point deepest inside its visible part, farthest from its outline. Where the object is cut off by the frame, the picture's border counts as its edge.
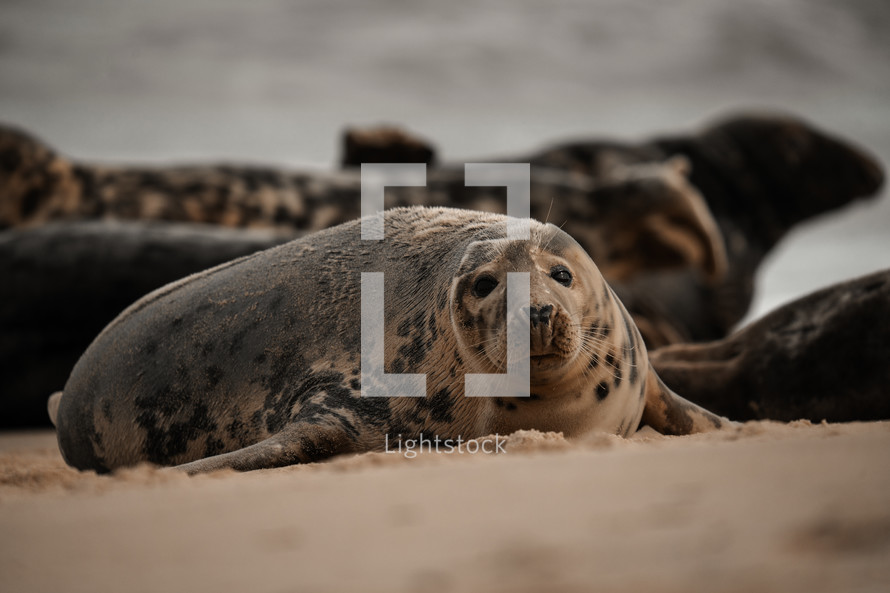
(52, 406)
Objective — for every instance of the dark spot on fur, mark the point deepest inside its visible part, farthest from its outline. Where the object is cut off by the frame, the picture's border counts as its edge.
(404, 328)
(355, 384)
(97, 441)
(602, 390)
(414, 352)
(236, 429)
(281, 214)
(213, 447)
(309, 450)
(439, 405)
(292, 384)
(511, 406)
(87, 181)
(598, 332)
(316, 415)
(431, 326)
(169, 425)
(238, 340)
(30, 201)
(213, 374)
(10, 160)
(372, 410)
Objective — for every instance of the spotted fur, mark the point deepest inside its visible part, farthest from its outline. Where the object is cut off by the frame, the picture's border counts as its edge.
(255, 363)
(635, 217)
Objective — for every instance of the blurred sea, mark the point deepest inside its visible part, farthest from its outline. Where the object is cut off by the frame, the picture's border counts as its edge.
(275, 81)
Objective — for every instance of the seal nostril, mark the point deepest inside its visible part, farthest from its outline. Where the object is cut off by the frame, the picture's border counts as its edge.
(540, 314)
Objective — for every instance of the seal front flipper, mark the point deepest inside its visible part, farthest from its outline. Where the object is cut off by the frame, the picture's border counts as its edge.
(670, 414)
(300, 442)
(52, 406)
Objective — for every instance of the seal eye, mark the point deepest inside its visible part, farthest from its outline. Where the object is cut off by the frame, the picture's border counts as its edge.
(483, 286)
(561, 275)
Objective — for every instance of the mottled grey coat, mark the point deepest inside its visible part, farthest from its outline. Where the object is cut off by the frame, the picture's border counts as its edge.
(255, 363)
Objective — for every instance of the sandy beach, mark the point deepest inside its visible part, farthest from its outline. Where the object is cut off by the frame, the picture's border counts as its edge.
(766, 507)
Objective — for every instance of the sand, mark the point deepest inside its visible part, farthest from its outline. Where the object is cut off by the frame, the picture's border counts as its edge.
(766, 507)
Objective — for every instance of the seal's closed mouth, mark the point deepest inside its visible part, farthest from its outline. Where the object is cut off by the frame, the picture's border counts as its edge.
(548, 358)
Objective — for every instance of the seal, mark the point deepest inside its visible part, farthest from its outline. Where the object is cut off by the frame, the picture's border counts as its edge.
(384, 144)
(821, 357)
(256, 363)
(761, 173)
(38, 185)
(632, 217)
(64, 282)
(678, 224)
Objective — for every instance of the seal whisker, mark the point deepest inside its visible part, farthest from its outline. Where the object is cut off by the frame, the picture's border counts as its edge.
(549, 209)
(627, 348)
(492, 340)
(554, 235)
(603, 359)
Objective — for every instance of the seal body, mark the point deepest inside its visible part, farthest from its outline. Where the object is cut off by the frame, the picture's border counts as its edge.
(760, 174)
(631, 217)
(64, 282)
(821, 357)
(685, 269)
(256, 363)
